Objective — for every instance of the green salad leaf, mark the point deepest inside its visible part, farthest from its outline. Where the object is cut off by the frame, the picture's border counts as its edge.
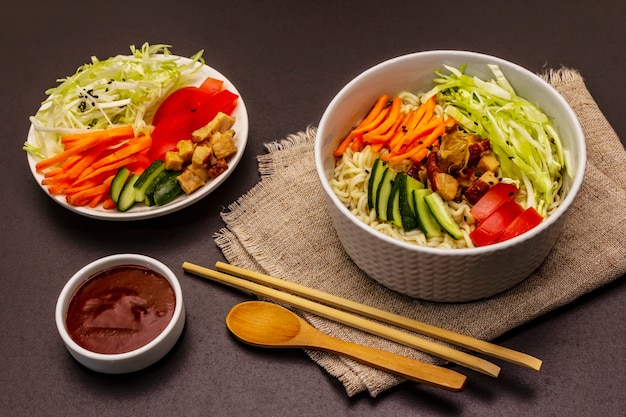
(124, 89)
(521, 134)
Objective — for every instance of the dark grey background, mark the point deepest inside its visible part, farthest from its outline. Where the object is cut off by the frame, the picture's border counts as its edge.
(287, 59)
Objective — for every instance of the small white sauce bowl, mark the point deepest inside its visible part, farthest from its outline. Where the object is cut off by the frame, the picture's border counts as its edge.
(134, 360)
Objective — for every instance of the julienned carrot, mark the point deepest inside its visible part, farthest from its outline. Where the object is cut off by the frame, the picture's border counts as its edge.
(417, 118)
(55, 171)
(86, 142)
(357, 143)
(83, 171)
(85, 162)
(108, 204)
(375, 116)
(390, 120)
(93, 203)
(380, 104)
(131, 147)
(114, 166)
(70, 161)
(123, 132)
(427, 137)
(407, 136)
(56, 186)
(345, 144)
(420, 150)
(74, 188)
(422, 129)
(91, 194)
(385, 137)
(411, 119)
(359, 131)
(83, 197)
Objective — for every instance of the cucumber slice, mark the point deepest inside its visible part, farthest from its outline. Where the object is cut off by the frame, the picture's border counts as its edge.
(412, 184)
(384, 190)
(440, 210)
(167, 188)
(425, 219)
(394, 212)
(407, 204)
(400, 203)
(372, 186)
(118, 183)
(146, 178)
(149, 193)
(127, 196)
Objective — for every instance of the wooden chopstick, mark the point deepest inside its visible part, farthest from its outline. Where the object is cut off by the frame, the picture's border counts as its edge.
(378, 329)
(449, 336)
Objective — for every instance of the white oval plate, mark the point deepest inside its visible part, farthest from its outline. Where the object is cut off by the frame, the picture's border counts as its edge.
(140, 211)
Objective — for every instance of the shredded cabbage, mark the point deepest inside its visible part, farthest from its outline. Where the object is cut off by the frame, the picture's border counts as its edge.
(121, 90)
(521, 134)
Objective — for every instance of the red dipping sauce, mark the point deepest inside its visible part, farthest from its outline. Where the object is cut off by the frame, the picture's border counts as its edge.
(120, 309)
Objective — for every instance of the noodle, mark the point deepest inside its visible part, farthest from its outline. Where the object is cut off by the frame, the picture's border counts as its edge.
(349, 182)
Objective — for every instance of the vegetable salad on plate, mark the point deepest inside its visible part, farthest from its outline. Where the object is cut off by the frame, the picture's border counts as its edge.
(143, 128)
(468, 163)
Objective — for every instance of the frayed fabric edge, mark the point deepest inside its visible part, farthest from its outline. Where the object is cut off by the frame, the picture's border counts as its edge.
(293, 139)
(561, 76)
(267, 167)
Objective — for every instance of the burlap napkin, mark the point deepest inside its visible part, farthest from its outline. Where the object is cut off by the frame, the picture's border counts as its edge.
(281, 227)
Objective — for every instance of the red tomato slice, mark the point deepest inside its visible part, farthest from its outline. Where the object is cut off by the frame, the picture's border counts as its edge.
(522, 223)
(211, 85)
(168, 132)
(494, 198)
(493, 226)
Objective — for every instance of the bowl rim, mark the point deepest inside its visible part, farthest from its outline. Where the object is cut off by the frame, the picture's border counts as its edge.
(99, 265)
(505, 65)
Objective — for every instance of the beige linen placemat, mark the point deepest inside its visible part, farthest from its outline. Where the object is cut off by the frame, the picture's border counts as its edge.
(281, 227)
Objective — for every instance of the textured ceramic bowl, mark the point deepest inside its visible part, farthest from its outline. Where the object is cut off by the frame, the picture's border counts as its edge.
(446, 275)
(141, 357)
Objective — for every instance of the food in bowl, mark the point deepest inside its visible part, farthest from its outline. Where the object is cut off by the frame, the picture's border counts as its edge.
(445, 274)
(120, 313)
(120, 309)
(419, 164)
(137, 136)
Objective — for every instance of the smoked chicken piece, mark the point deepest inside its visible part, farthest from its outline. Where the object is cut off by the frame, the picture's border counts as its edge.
(476, 150)
(443, 183)
(453, 151)
(476, 190)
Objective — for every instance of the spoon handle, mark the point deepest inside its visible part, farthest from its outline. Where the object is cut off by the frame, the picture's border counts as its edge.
(408, 368)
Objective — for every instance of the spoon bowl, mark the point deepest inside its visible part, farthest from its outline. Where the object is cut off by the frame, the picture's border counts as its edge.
(265, 324)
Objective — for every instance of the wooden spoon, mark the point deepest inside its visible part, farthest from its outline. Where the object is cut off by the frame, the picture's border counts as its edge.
(266, 324)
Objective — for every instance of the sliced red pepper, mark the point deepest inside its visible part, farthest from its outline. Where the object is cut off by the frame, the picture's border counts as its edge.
(167, 133)
(186, 110)
(211, 85)
(497, 195)
(183, 100)
(488, 231)
(522, 223)
(223, 101)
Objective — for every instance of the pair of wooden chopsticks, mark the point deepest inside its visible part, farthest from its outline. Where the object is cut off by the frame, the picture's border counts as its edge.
(308, 299)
